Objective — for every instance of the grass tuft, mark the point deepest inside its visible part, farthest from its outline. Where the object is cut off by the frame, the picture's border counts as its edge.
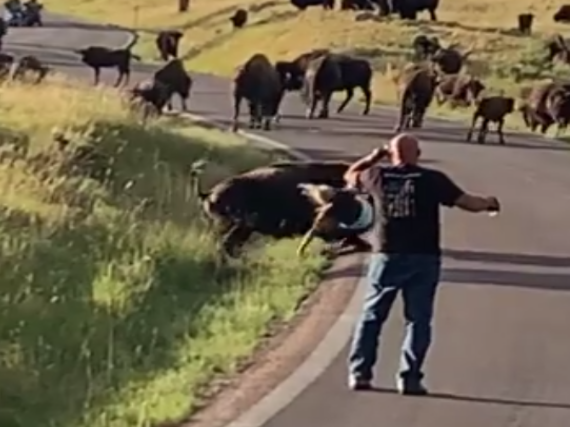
(115, 310)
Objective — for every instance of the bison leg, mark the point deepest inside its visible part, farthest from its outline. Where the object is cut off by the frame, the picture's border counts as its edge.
(349, 95)
(470, 131)
(324, 114)
(96, 75)
(367, 100)
(500, 125)
(432, 15)
(235, 239)
(237, 106)
(313, 106)
(119, 78)
(483, 129)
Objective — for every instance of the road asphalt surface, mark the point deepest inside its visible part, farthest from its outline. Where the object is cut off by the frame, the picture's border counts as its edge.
(502, 341)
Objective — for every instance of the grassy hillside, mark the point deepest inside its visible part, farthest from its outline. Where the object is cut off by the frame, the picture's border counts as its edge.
(114, 308)
(503, 58)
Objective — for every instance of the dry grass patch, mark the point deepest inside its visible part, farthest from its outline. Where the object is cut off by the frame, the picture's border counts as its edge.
(114, 308)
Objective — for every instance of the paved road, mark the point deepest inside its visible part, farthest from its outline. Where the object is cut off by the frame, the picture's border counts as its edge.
(502, 343)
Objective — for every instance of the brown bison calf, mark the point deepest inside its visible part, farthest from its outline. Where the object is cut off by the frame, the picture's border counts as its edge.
(525, 21)
(450, 60)
(152, 96)
(269, 201)
(167, 43)
(459, 90)
(332, 73)
(425, 47)
(239, 18)
(563, 14)
(174, 76)
(491, 109)
(416, 87)
(260, 84)
(97, 57)
(29, 64)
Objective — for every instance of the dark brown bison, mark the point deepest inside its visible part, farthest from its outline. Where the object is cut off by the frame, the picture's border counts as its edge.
(425, 47)
(151, 95)
(449, 60)
(408, 9)
(239, 18)
(167, 43)
(563, 14)
(491, 109)
(293, 72)
(269, 201)
(333, 73)
(97, 57)
(416, 85)
(525, 21)
(304, 4)
(544, 105)
(336, 208)
(260, 84)
(29, 64)
(174, 76)
(459, 90)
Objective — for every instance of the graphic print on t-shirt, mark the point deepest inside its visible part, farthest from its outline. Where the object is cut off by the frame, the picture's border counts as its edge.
(399, 194)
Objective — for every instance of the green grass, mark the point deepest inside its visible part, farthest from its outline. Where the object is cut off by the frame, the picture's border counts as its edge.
(115, 310)
(505, 60)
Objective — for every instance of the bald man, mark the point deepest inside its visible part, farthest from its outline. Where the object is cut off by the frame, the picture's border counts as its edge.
(406, 255)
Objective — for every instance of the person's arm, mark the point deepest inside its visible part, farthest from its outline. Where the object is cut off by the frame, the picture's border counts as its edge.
(451, 195)
(351, 176)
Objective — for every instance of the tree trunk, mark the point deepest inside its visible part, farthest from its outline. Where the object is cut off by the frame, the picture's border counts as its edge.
(183, 5)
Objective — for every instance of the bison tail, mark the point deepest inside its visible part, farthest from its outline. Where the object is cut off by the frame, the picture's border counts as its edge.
(136, 57)
(196, 171)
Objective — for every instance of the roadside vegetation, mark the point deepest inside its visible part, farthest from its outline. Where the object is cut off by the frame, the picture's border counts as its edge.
(504, 59)
(115, 310)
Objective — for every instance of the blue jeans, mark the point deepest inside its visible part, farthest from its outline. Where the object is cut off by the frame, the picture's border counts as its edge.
(417, 276)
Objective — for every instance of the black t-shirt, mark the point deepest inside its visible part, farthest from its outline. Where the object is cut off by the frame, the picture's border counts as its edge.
(406, 204)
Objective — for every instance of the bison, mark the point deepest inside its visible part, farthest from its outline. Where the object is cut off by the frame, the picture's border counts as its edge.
(260, 84)
(304, 4)
(449, 60)
(562, 14)
(544, 105)
(293, 72)
(557, 47)
(269, 201)
(97, 57)
(174, 76)
(491, 109)
(525, 21)
(239, 18)
(425, 47)
(27, 64)
(336, 72)
(151, 93)
(459, 90)
(408, 9)
(416, 86)
(167, 43)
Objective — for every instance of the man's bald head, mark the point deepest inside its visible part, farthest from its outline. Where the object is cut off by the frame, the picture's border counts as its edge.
(404, 148)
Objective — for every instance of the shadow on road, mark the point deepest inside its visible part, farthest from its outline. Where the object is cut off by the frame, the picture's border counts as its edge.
(505, 258)
(489, 400)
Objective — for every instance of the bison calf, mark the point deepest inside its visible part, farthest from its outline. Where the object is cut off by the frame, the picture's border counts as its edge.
(98, 57)
(416, 87)
(167, 43)
(29, 64)
(151, 94)
(492, 109)
(459, 90)
(525, 21)
(425, 47)
(562, 14)
(239, 18)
